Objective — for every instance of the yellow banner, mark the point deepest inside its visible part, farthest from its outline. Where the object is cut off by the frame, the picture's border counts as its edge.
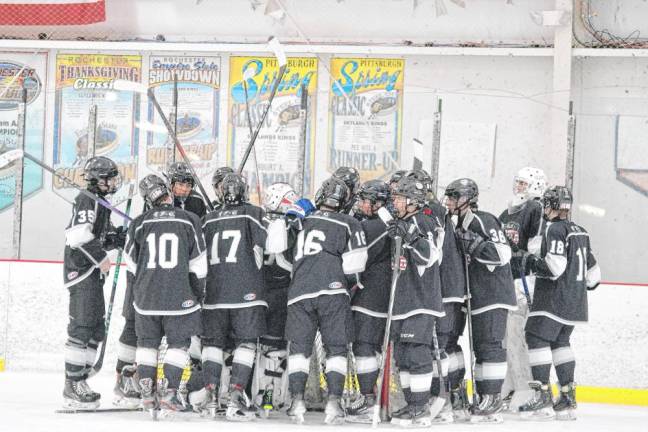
(96, 71)
(365, 115)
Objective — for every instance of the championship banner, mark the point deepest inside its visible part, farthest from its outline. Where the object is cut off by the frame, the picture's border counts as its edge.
(16, 70)
(365, 115)
(198, 109)
(84, 80)
(279, 145)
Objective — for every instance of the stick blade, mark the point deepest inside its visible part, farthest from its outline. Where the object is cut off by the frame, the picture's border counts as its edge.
(9, 157)
(436, 406)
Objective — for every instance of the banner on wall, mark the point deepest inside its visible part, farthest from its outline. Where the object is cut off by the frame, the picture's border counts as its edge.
(84, 80)
(198, 110)
(15, 69)
(365, 115)
(278, 145)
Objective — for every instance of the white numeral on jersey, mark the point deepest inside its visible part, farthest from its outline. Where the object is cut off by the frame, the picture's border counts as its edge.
(309, 246)
(498, 236)
(581, 254)
(360, 236)
(235, 236)
(167, 244)
(86, 216)
(557, 247)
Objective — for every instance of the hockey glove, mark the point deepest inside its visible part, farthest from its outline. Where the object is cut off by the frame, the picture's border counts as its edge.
(533, 263)
(115, 239)
(403, 229)
(295, 211)
(307, 205)
(469, 241)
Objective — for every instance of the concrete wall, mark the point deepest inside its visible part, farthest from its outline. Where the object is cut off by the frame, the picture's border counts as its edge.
(607, 352)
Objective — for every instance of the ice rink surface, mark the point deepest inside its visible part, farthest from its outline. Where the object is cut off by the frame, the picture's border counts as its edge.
(28, 401)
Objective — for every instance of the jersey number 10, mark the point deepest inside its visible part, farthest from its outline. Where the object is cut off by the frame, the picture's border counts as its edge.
(164, 251)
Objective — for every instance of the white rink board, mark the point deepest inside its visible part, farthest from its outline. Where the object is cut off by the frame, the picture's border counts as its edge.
(609, 352)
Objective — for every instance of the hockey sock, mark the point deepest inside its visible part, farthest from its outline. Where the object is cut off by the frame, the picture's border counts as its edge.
(125, 356)
(539, 358)
(565, 364)
(175, 360)
(75, 359)
(367, 368)
(212, 358)
(242, 364)
(336, 368)
(146, 359)
(298, 368)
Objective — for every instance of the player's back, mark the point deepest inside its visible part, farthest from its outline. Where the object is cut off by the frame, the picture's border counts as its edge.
(165, 246)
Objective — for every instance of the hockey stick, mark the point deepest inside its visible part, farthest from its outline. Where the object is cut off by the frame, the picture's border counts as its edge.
(470, 332)
(396, 269)
(12, 155)
(439, 401)
(99, 362)
(123, 85)
(247, 75)
(97, 411)
(524, 281)
(19, 174)
(281, 56)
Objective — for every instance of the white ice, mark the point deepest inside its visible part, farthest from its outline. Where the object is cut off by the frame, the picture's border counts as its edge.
(28, 401)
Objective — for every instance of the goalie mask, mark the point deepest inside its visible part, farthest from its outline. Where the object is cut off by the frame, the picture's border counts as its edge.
(278, 197)
(529, 183)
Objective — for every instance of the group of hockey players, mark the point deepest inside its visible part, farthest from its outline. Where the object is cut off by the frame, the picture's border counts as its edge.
(246, 295)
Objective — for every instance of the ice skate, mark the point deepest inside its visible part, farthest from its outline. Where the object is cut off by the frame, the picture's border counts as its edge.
(149, 398)
(334, 413)
(362, 410)
(297, 409)
(205, 401)
(488, 410)
(460, 404)
(127, 391)
(565, 406)
(412, 416)
(77, 395)
(540, 407)
(267, 404)
(238, 408)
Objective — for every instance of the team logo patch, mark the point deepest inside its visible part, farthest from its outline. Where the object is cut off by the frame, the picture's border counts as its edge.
(72, 275)
(335, 285)
(187, 303)
(249, 297)
(403, 263)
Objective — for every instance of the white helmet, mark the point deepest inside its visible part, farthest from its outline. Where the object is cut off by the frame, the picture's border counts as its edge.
(536, 183)
(279, 197)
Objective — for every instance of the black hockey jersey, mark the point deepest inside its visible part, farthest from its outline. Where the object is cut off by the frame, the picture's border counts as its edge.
(418, 290)
(193, 203)
(84, 237)
(330, 247)
(452, 269)
(491, 281)
(236, 238)
(567, 270)
(165, 251)
(522, 225)
(372, 297)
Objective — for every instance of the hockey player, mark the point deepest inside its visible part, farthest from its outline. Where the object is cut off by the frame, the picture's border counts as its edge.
(279, 202)
(491, 293)
(182, 187)
(235, 302)
(86, 264)
(565, 270)
(351, 177)
(126, 390)
(330, 252)
(450, 326)
(165, 252)
(417, 302)
(369, 302)
(522, 222)
(217, 179)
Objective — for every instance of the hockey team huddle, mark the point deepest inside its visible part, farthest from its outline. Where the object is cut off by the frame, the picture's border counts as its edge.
(246, 294)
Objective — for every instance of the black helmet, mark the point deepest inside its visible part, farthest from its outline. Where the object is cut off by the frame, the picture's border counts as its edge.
(557, 198)
(422, 176)
(350, 176)
(397, 176)
(234, 189)
(220, 174)
(152, 188)
(374, 191)
(333, 193)
(463, 188)
(99, 169)
(179, 172)
(412, 189)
